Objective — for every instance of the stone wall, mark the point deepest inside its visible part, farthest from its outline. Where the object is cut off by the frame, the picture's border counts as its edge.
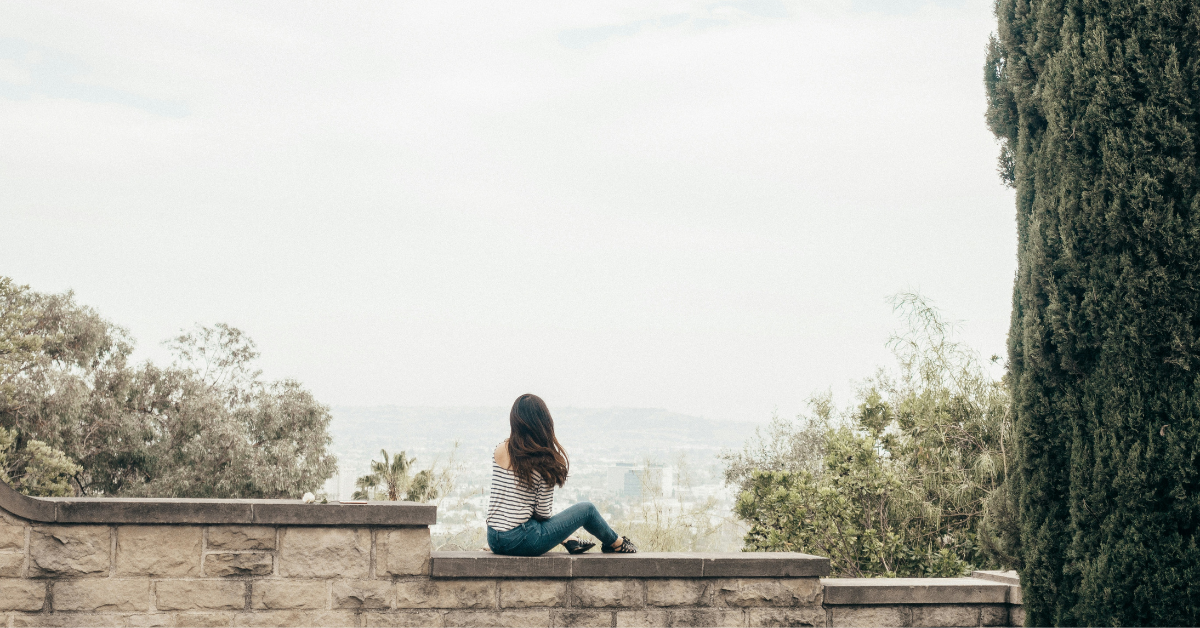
(190, 575)
(644, 589)
(103, 562)
(988, 599)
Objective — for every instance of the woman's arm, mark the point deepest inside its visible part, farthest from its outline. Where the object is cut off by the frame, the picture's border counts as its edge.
(545, 501)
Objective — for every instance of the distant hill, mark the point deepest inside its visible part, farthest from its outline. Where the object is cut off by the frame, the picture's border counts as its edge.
(626, 433)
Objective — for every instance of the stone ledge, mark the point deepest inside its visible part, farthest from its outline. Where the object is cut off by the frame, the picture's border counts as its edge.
(212, 511)
(898, 591)
(641, 565)
(1003, 577)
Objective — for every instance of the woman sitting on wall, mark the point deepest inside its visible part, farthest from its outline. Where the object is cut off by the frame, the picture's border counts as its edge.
(525, 469)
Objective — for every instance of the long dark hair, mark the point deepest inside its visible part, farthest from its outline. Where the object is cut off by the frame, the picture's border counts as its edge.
(532, 445)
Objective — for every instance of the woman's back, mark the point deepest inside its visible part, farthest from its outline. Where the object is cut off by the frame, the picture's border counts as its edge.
(513, 502)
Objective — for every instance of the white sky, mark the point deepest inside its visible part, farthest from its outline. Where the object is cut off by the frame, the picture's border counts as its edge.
(699, 206)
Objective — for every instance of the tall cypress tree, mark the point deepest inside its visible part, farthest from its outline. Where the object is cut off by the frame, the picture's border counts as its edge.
(1095, 106)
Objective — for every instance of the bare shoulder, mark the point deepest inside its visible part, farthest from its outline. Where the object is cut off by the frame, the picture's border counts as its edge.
(501, 455)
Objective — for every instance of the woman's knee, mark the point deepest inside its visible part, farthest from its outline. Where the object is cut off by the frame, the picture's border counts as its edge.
(589, 508)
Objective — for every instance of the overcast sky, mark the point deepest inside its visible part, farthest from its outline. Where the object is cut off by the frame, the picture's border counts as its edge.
(698, 206)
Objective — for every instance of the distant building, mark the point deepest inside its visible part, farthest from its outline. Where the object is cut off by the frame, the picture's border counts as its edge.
(615, 482)
(629, 480)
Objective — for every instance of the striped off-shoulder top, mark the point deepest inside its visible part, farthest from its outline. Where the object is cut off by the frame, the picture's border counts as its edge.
(512, 503)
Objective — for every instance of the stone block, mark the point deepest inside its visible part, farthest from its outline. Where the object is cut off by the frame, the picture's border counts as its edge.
(151, 620)
(869, 616)
(896, 591)
(764, 565)
(289, 594)
(117, 511)
(207, 595)
(814, 616)
(158, 550)
(69, 620)
(745, 592)
(1003, 577)
(285, 513)
(22, 595)
(457, 594)
(944, 615)
(1016, 615)
(250, 564)
(707, 617)
(640, 565)
(325, 552)
(12, 564)
(678, 593)
(403, 619)
(69, 550)
(241, 538)
(527, 593)
(643, 619)
(402, 552)
(362, 594)
(108, 595)
(201, 620)
(607, 593)
(503, 619)
(994, 615)
(489, 565)
(12, 538)
(315, 619)
(583, 619)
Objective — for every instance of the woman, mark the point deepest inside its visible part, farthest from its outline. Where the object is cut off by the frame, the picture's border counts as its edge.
(525, 469)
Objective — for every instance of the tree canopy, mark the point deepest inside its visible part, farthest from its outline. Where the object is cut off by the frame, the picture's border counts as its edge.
(76, 417)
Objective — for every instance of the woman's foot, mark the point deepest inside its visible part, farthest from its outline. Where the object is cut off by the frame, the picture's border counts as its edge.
(575, 546)
(621, 546)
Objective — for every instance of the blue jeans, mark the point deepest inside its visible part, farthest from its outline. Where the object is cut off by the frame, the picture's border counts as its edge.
(534, 538)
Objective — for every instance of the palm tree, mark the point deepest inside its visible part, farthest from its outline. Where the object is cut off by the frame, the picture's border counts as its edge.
(390, 473)
(425, 487)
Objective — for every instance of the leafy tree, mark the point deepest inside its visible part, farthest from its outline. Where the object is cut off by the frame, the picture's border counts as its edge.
(1094, 104)
(205, 426)
(909, 482)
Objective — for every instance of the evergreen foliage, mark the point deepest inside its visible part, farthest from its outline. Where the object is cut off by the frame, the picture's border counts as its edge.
(1094, 104)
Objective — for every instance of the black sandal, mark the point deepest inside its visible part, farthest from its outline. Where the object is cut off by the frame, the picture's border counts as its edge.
(577, 547)
(627, 547)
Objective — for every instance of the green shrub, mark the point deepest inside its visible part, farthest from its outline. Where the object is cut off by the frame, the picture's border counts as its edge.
(910, 482)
